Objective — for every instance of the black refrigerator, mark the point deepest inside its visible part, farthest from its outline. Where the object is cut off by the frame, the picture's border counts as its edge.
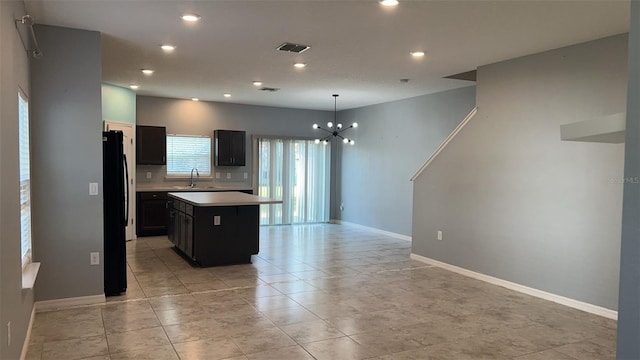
(115, 179)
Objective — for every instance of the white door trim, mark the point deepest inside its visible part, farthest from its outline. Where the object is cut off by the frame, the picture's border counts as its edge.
(131, 159)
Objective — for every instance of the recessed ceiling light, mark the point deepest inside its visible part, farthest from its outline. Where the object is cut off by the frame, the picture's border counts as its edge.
(257, 83)
(417, 53)
(191, 17)
(134, 86)
(388, 2)
(168, 48)
(227, 95)
(300, 65)
(195, 99)
(147, 71)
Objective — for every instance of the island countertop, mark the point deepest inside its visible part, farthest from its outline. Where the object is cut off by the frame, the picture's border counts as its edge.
(231, 198)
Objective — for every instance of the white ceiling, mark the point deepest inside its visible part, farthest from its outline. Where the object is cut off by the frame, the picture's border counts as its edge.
(359, 49)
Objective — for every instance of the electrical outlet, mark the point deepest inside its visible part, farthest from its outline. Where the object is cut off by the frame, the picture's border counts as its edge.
(216, 220)
(439, 235)
(95, 258)
(148, 174)
(93, 188)
(246, 176)
(228, 175)
(217, 175)
(9, 333)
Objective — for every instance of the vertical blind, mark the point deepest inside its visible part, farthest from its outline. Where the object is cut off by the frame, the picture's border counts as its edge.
(296, 172)
(25, 177)
(185, 152)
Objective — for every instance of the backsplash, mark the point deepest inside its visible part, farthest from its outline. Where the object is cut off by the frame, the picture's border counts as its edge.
(158, 177)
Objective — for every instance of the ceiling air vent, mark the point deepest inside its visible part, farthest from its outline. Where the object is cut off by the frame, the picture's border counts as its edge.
(293, 48)
(269, 89)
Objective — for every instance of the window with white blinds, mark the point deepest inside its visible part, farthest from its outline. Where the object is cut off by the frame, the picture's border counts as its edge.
(25, 177)
(186, 152)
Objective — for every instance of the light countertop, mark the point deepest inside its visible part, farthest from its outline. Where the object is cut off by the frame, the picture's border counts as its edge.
(184, 188)
(231, 198)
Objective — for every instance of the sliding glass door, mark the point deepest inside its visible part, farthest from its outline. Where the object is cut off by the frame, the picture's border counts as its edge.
(296, 172)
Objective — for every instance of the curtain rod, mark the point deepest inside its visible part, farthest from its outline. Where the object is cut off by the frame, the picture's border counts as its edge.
(28, 21)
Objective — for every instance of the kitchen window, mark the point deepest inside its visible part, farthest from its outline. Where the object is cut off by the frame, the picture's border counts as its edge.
(25, 178)
(186, 152)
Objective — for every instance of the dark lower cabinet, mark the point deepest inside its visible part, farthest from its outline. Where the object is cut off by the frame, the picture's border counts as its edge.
(151, 213)
(157, 215)
(218, 235)
(180, 228)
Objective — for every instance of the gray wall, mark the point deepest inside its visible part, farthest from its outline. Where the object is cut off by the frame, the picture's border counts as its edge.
(392, 142)
(514, 201)
(15, 304)
(201, 118)
(66, 157)
(628, 309)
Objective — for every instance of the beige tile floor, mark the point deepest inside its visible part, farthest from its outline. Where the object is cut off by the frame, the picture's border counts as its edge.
(315, 292)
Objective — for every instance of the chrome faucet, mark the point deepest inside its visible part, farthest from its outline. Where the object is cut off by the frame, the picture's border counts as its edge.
(192, 183)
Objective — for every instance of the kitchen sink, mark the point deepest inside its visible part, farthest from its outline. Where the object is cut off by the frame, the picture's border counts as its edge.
(181, 187)
(186, 187)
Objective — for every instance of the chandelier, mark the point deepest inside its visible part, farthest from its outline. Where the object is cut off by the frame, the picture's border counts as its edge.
(337, 130)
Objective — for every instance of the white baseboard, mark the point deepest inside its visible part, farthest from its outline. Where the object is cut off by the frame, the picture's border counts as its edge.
(27, 338)
(590, 308)
(379, 231)
(55, 304)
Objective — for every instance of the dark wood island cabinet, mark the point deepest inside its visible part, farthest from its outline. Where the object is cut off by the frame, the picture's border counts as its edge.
(216, 228)
(154, 209)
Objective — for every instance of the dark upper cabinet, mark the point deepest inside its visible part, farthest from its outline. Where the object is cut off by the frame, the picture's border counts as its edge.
(151, 145)
(230, 147)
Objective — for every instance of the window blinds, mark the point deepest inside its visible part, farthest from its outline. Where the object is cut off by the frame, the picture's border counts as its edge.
(296, 172)
(185, 152)
(25, 177)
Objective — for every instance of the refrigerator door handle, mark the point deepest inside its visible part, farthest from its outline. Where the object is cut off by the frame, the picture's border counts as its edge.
(126, 179)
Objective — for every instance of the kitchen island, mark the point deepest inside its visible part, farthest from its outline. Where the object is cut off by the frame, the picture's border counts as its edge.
(216, 228)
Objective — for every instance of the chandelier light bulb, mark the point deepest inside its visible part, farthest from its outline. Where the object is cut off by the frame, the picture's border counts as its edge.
(317, 141)
(325, 142)
(339, 126)
(315, 126)
(351, 142)
(329, 124)
(345, 140)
